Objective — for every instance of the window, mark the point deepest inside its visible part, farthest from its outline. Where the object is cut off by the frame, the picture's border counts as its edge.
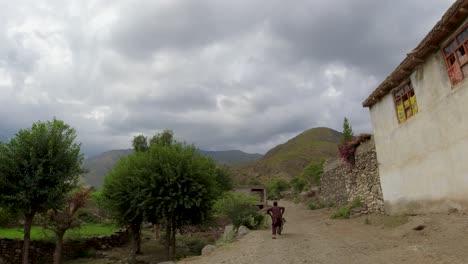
(456, 58)
(405, 101)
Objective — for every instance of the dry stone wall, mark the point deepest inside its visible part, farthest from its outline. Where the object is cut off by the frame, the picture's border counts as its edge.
(341, 183)
(42, 251)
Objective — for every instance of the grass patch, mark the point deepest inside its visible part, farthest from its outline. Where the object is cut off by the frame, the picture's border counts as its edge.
(39, 233)
(345, 211)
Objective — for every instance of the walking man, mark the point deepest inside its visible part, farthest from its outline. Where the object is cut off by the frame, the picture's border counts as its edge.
(276, 212)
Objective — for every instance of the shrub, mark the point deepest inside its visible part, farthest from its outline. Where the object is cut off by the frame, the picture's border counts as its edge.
(275, 186)
(313, 172)
(239, 208)
(298, 184)
(314, 205)
(343, 212)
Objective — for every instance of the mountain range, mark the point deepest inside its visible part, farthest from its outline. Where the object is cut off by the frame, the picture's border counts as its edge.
(98, 166)
(285, 160)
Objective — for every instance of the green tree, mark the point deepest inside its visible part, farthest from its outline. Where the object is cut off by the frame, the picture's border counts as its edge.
(182, 188)
(140, 143)
(165, 138)
(38, 167)
(347, 131)
(223, 179)
(171, 184)
(125, 195)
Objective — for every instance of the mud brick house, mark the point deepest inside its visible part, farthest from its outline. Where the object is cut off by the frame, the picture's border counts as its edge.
(419, 115)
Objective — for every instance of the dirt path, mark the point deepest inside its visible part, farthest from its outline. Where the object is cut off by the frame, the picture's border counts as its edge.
(312, 237)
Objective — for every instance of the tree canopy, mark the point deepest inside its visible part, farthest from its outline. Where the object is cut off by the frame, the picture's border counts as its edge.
(347, 131)
(170, 183)
(38, 167)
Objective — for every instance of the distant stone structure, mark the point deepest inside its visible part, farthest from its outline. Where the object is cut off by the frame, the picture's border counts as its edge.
(340, 183)
(255, 190)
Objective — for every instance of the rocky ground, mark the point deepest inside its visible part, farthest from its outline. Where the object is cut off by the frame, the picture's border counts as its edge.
(312, 237)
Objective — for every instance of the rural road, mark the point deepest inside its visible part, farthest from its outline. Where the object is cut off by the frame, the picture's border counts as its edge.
(312, 237)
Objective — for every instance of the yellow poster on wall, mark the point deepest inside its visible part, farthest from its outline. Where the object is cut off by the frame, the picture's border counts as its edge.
(414, 104)
(401, 113)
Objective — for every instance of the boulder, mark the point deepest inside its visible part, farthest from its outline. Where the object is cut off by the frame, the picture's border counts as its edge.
(229, 233)
(242, 231)
(207, 249)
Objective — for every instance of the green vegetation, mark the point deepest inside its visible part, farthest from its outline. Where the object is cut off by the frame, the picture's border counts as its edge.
(38, 168)
(345, 211)
(39, 233)
(313, 205)
(347, 131)
(239, 209)
(275, 186)
(309, 177)
(170, 184)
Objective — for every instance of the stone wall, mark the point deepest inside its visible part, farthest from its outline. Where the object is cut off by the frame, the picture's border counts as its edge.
(42, 251)
(340, 183)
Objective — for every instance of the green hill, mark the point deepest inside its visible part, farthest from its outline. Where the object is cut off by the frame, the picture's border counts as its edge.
(289, 159)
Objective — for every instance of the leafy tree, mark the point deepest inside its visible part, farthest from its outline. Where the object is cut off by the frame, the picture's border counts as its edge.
(38, 167)
(275, 186)
(223, 179)
(140, 143)
(165, 138)
(182, 188)
(125, 195)
(312, 172)
(59, 221)
(347, 131)
(171, 184)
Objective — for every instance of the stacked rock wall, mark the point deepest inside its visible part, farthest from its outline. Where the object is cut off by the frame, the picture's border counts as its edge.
(340, 183)
(42, 251)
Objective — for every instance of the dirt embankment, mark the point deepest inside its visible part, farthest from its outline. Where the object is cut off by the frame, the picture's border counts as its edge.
(312, 237)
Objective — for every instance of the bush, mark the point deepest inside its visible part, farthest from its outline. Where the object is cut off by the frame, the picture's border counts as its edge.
(314, 205)
(240, 209)
(274, 188)
(343, 212)
(298, 184)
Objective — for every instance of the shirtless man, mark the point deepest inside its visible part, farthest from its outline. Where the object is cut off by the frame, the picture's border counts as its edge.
(276, 212)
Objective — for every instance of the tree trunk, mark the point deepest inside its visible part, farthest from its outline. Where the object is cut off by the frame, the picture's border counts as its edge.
(168, 241)
(156, 231)
(58, 248)
(173, 240)
(138, 240)
(27, 236)
(135, 233)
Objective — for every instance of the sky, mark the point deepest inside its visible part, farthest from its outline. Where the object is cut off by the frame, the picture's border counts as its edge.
(244, 74)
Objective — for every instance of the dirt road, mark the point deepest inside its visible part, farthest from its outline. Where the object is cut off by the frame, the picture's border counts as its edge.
(312, 237)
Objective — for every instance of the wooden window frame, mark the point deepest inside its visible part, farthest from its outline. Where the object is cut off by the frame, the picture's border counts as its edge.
(453, 59)
(412, 107)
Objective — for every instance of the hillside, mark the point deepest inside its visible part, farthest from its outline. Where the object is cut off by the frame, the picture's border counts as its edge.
(290, 158)
(231, 156)
(99, 165)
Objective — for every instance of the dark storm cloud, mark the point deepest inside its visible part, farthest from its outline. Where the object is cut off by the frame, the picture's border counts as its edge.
(241, 74)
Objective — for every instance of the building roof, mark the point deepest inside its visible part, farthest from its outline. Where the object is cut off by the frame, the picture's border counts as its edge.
(451, 20)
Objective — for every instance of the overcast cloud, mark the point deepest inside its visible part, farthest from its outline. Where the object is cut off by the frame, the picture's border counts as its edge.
(244, 74)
